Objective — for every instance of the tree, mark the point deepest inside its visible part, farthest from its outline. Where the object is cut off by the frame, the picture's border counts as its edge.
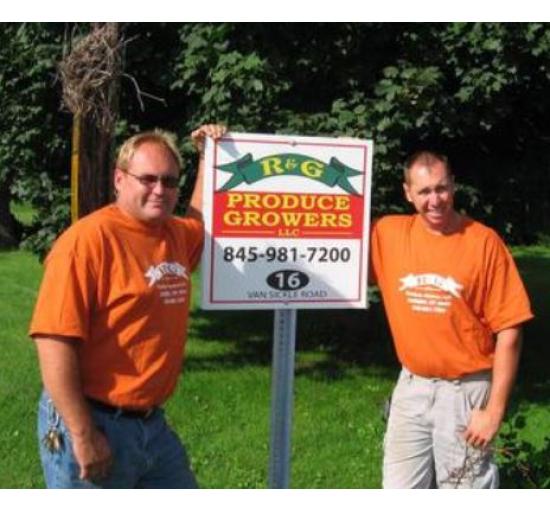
(476, 91)
(90, 75)
(29, 127)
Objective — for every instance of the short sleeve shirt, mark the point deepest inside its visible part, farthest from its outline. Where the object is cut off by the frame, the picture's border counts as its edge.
(121, 289)
(446, 295)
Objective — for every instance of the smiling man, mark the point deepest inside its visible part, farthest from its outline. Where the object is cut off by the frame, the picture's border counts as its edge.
(110, 325)
(455, 304)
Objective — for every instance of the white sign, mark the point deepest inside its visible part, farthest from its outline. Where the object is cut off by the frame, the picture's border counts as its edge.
(287, 222)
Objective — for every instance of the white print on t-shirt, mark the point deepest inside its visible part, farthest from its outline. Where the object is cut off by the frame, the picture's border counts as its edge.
(156, 273)
(172, 291)
(429, 292)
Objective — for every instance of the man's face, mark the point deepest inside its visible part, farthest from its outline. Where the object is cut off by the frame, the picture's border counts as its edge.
(431, 190)
(149, 202)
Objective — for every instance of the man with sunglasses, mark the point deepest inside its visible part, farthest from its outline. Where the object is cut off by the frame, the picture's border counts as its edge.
(110, 325)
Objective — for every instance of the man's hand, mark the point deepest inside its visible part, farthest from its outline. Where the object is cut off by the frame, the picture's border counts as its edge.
(93, 455)
(198, 137)
(61, 375)
(484, 423)
(482, 429)
(214, 131)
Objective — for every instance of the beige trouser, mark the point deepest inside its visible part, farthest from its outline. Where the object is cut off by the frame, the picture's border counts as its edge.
(423, 445)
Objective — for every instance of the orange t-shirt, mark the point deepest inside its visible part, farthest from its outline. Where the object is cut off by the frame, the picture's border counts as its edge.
(445, 295)
(121, 289)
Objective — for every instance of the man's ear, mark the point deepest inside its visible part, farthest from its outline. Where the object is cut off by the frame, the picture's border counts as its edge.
(407, 192)
(118, 175)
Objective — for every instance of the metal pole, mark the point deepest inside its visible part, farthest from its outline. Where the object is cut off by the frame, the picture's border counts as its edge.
(282, 381)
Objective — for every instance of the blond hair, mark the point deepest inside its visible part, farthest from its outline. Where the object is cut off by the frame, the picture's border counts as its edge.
(158, 136)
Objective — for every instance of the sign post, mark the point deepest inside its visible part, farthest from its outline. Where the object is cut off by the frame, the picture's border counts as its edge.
(287, 221)
(282, 385)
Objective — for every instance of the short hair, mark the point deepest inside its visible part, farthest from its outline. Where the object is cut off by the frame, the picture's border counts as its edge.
(427, 158)
(158, 136)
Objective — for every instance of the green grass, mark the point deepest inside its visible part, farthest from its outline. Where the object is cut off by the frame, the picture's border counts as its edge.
(19, 379)
(221, 407)
(533, 392)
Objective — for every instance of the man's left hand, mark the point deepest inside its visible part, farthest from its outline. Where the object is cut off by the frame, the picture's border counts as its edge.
(482, 429)
(214, 131)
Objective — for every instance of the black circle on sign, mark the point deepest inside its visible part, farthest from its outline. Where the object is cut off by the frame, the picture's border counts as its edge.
(287, 279)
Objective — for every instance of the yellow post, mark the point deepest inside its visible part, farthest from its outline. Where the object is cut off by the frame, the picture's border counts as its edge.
(75, 167)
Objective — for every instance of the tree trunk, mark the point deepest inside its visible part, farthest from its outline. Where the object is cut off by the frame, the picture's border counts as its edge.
(94, 176)
(10, 228)
(94, 187)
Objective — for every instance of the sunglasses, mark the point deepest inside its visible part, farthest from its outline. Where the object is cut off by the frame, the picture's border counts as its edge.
(150, 180)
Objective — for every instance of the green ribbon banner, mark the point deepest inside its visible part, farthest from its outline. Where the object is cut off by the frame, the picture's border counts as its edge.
(335, 173)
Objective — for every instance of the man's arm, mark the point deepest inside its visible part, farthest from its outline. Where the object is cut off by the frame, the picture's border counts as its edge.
(198, 137)
(485, 423)
(61, 377)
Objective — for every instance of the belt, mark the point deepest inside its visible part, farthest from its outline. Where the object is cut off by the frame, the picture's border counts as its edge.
(142, 414)
(483, 375)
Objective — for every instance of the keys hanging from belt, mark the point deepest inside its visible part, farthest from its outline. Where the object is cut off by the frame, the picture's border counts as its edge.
(53, 440)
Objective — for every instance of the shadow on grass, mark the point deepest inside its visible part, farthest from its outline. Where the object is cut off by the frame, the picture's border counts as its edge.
(247, 333)
(534, 374)
(341, 341)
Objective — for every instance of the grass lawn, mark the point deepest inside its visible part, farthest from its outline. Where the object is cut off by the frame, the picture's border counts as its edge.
(19, 379)
(222, 405)
(533, 391)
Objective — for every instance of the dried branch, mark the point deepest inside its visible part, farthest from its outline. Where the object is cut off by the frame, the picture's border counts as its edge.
(141, 94)
(89, 74)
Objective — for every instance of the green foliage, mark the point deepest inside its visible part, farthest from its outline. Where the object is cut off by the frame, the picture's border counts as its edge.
(522, 465)
(32, 148)
(225, 80)
(476, 91)
(47, 229)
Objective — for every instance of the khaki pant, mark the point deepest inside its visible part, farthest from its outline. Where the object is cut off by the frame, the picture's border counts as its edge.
(423, 445)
